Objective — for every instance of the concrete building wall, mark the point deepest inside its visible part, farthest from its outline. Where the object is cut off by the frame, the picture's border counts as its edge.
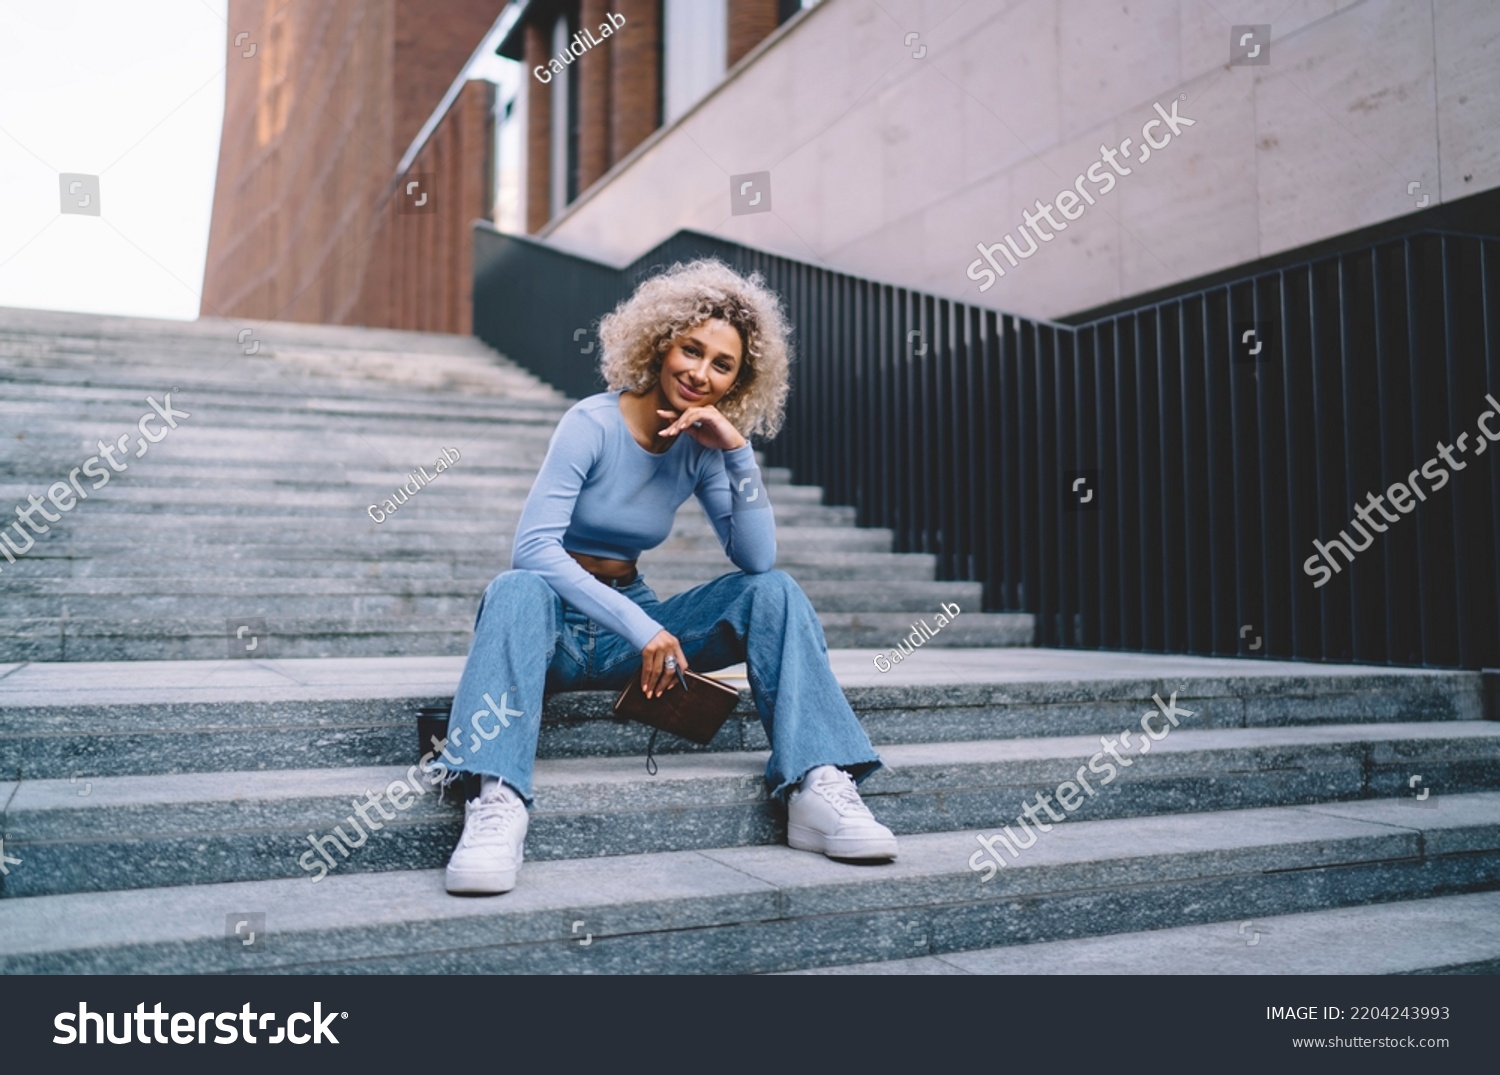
(895, 160)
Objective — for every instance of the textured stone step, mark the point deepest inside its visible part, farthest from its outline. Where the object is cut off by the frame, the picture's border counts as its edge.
(16, 321)
(123, 718)
(282, 350)
(99, 538)
(390, 446)
(318, 563)
(372, 371)
(432, 510)
(191, 638)
(860, 630)
(343, 485)
(506, 475)
(122, 380)
(1441, 935)
(757, 909)
(150, 831)
(295, 598)
(223, 416)
(287, 375)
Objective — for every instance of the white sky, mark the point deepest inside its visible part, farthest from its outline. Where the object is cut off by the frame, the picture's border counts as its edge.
(130, 92)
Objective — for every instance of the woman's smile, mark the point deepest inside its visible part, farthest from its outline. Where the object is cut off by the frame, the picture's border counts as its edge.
(701, 366)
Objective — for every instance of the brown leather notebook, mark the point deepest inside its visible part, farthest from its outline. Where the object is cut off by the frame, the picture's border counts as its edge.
(695, 709)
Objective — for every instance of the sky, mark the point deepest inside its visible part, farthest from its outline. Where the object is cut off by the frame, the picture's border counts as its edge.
(132, 93)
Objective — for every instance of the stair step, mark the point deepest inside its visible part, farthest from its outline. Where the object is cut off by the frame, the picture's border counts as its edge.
(105, 537)
(1440, 935)
(289, 598)
(318, 563)
(204, 828)
(857, 630)
(140, 717)
(441, 514)
(154, 332)
(759, 909)
(223, 419)
(152, 637)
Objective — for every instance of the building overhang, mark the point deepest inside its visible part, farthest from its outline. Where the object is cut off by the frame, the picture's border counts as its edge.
(513, 44)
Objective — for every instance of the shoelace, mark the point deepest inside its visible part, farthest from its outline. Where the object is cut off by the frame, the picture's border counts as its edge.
(493, 818)
(841, 793)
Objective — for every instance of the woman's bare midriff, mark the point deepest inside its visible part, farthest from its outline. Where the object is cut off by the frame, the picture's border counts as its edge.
(598, 565)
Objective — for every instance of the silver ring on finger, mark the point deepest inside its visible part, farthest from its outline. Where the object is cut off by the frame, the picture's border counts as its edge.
(671, 662)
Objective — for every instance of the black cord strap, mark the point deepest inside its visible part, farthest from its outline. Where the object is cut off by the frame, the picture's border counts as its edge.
(650, 749)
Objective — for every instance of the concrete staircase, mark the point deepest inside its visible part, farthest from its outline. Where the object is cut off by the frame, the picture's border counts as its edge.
(153, 801)
(254, 509)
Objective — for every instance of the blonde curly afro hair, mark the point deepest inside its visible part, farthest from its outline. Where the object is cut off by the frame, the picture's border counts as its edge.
(636, 336)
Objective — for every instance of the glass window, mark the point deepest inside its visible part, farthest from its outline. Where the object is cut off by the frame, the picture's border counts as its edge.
(695, 41)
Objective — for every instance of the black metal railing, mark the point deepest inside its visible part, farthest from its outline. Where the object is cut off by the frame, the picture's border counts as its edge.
(1153, 480)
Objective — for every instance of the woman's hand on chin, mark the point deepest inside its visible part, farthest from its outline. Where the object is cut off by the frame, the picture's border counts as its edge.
(706, 426)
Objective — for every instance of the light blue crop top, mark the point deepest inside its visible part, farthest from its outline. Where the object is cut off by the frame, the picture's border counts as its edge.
(600, 493)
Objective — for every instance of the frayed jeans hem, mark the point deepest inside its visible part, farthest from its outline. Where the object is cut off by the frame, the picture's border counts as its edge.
(859, 770)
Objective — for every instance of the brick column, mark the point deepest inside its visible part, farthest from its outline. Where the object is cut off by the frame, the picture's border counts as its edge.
(635, 76)
(750, 23)
(538, 130)
(593, 96)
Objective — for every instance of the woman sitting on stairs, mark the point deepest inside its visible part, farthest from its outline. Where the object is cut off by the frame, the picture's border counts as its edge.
(696, 360)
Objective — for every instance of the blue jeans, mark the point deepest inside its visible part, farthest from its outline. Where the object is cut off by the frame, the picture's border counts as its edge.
(528, 640)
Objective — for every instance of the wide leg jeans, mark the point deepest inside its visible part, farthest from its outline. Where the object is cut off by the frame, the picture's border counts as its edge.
(529, 642)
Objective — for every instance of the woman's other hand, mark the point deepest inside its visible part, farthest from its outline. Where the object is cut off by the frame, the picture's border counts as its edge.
(656, 677)
(706, 426)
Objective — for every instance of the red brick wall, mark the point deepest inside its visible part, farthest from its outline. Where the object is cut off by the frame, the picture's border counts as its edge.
(635, 75)
(593, 96)
(750, 23)
(538, 129)
(421, 264)
(432, 43)
(314, 126)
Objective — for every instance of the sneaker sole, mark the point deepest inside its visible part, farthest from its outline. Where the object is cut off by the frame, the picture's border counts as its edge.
(858, 850)
(480, 882)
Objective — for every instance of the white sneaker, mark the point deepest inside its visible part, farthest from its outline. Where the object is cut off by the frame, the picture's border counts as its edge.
(489, 853)
(826, 814)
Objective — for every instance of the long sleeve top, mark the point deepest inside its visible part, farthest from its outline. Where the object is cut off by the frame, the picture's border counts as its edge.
(601, 494)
